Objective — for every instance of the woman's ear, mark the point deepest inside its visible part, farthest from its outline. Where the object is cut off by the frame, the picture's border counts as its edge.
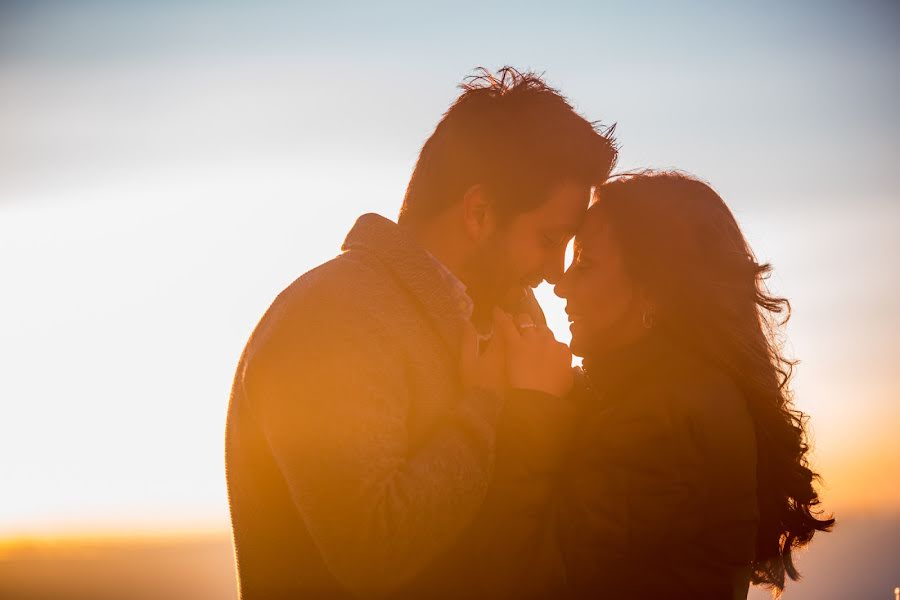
(478, 213)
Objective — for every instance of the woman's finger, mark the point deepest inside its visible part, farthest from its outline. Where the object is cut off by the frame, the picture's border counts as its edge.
(525, 324)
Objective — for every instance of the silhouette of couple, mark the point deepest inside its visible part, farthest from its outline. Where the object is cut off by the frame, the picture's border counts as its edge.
(403, 424)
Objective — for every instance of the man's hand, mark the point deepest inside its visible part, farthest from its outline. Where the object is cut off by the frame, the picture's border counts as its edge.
(487, 370)
(532, 308)
(522, 300)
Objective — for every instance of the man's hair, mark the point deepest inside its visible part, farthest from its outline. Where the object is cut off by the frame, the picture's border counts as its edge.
(514, 135)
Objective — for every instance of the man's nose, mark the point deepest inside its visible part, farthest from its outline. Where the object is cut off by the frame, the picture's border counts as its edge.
(555, 267)
(561, 288)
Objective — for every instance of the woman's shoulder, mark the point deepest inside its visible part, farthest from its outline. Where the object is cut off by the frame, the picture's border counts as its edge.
(710, 400)
(691, 378)
(672, 385)
(701, 378)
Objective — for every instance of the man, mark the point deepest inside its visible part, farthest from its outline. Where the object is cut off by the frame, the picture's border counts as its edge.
(363, 424)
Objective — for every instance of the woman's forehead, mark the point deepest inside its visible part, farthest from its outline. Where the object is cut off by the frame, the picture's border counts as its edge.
(594, 235)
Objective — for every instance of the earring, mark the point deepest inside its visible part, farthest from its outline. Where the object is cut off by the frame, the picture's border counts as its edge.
(647, 319)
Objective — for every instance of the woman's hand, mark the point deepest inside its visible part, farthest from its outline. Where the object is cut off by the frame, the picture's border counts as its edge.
(534, 359)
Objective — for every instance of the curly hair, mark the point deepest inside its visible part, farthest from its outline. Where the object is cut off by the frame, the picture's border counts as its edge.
(682, 245)
(513, 134)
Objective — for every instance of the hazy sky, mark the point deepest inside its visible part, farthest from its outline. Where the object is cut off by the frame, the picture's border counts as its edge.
(166, 169)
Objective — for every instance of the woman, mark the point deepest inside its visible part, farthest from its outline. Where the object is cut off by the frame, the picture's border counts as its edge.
(688, 474)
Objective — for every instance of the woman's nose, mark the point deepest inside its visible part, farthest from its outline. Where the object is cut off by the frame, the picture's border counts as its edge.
(555, 268)
(561, 288)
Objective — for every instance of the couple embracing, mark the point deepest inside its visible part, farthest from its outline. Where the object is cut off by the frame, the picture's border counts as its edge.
(403, 424)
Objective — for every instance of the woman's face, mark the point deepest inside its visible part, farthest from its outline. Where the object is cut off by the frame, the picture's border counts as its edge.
(601, 300)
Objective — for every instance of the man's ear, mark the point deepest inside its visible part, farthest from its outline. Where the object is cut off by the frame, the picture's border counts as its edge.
(479, 219)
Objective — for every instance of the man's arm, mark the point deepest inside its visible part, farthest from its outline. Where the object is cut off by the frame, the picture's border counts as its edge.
(510, 549)
(333, 402)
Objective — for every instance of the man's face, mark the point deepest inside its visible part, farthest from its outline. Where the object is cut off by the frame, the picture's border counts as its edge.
(529, 249)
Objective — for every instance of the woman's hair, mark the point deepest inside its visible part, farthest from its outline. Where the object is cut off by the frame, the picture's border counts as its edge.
(682, 246)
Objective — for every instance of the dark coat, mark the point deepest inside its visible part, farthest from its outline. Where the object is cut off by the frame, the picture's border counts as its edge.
(356, 463)
(659, 497)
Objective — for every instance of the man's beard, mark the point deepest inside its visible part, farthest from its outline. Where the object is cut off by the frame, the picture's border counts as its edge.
(491, 279)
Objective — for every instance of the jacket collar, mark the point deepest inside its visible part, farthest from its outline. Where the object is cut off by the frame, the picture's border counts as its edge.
(416, 270)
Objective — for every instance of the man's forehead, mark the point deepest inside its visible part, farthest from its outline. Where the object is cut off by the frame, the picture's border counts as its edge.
(563, 226)
(568, 201)
(569, 220)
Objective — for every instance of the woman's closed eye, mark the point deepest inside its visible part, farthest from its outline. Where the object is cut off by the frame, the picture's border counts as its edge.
(550, 241)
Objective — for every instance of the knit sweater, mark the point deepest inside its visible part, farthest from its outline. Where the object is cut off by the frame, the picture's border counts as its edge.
(357, 464)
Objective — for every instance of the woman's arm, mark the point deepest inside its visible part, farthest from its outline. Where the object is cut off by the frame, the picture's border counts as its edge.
(511, 550)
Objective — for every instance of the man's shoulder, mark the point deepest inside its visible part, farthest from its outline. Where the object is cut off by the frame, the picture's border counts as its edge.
(323, 321)
(344, 277)
(346, 292)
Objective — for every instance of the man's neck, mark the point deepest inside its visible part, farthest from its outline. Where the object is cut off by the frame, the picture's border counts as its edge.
(435, 238)
(483, 317)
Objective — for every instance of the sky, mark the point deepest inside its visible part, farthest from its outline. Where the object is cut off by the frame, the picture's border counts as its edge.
(167, 168)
